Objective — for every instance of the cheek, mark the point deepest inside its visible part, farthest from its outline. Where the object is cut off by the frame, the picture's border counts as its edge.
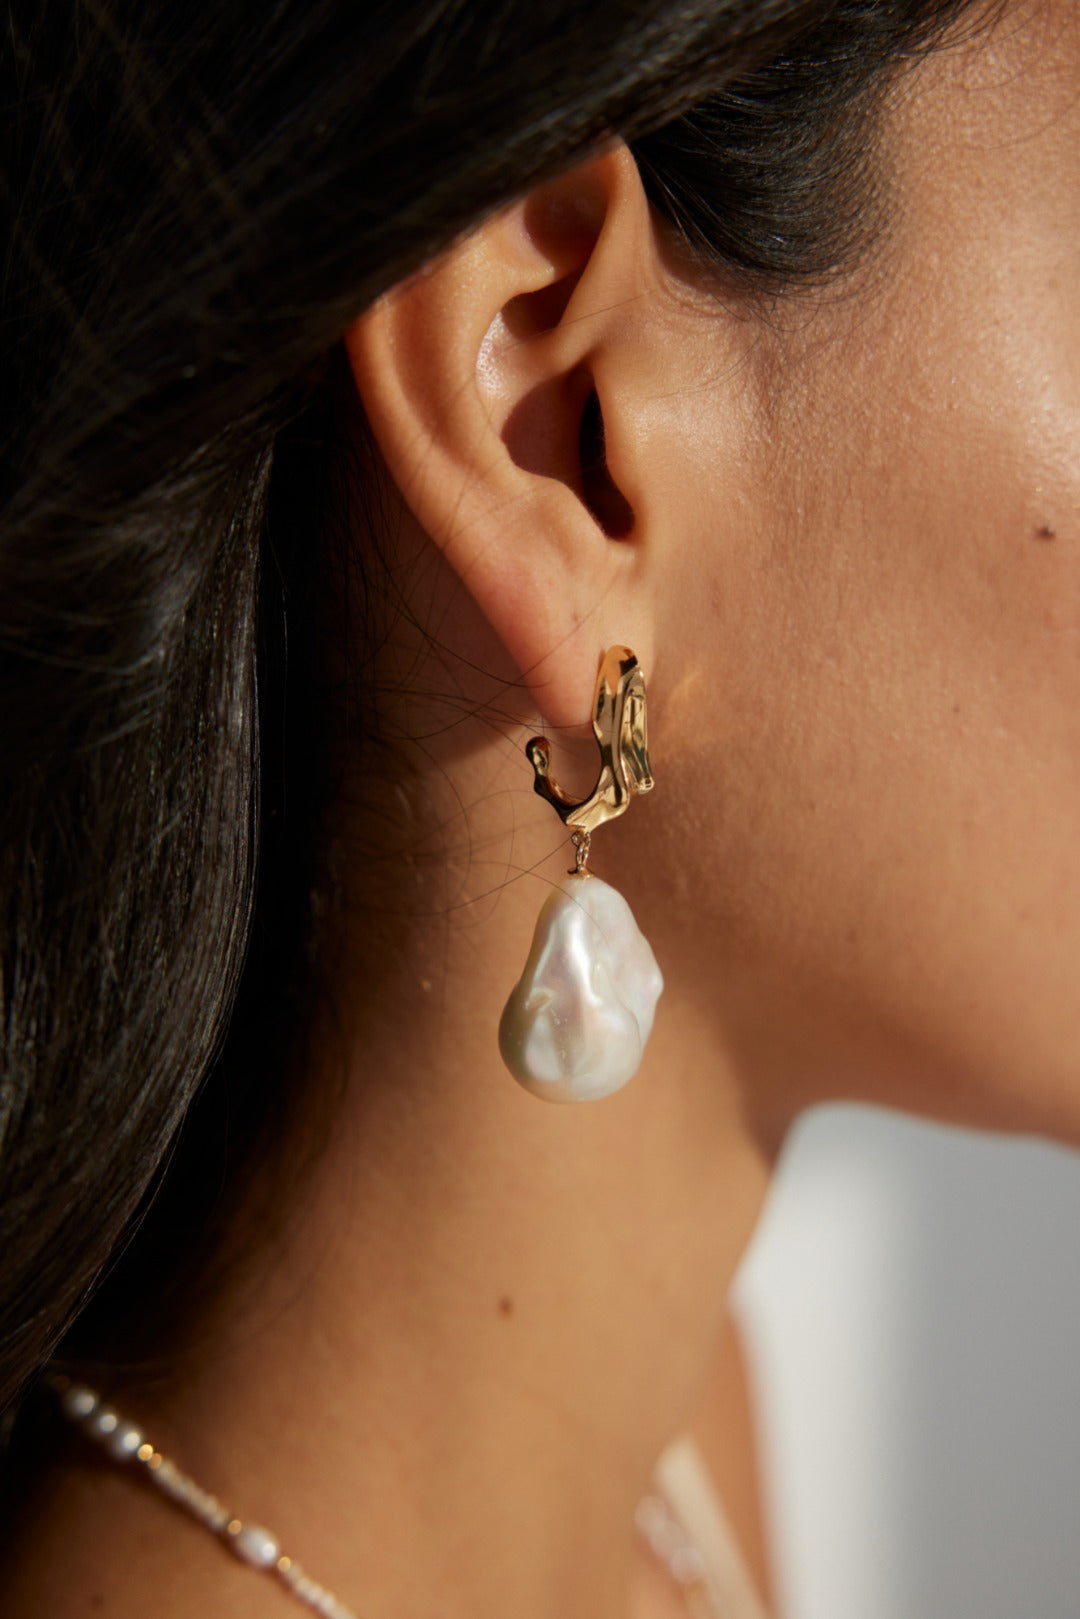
(884, 697)
(875, 735)
(875, 774)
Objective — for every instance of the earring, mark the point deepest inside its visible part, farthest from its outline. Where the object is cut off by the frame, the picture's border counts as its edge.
(576, 1023)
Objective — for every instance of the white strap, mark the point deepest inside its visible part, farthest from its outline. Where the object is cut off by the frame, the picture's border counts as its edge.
(684, 1479)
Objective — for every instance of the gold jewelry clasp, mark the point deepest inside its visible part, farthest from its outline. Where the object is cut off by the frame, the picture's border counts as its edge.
(620, 730)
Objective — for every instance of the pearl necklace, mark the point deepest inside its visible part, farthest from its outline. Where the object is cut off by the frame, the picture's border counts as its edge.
(124, 1442)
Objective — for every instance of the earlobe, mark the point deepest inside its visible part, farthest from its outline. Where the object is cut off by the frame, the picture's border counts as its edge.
(486, 381)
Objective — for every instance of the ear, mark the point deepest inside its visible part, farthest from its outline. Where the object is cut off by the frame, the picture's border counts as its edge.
(504, 386)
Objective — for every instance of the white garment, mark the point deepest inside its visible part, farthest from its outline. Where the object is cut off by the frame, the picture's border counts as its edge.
(685, 1483)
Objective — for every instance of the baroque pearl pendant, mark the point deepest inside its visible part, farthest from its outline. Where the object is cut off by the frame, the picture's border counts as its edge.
(576, 1024)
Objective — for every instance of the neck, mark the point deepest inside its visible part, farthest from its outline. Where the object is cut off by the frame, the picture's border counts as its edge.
(445, 1385)
(490, 1314)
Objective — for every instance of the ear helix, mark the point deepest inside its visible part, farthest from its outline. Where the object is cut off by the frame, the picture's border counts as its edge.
(576, 1023)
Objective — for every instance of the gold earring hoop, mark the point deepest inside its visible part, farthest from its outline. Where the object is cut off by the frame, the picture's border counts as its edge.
(576, 1023)
(619, 725)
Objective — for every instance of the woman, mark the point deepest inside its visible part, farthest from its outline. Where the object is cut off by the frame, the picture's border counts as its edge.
(373, 376)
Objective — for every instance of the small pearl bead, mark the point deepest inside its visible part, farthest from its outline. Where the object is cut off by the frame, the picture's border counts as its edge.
(104, 1422)
(169, 1480)
(79, 1403)
(687, 1565)
(124, 1441)
(255, 1545)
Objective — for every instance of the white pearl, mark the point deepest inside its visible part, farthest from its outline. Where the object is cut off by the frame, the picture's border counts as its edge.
(687, 1565)
(576, 1024)
(79, 1403)
(255, 1545)
(124, 1441)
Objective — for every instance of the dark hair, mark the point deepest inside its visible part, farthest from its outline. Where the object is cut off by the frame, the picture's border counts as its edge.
(199, 198)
